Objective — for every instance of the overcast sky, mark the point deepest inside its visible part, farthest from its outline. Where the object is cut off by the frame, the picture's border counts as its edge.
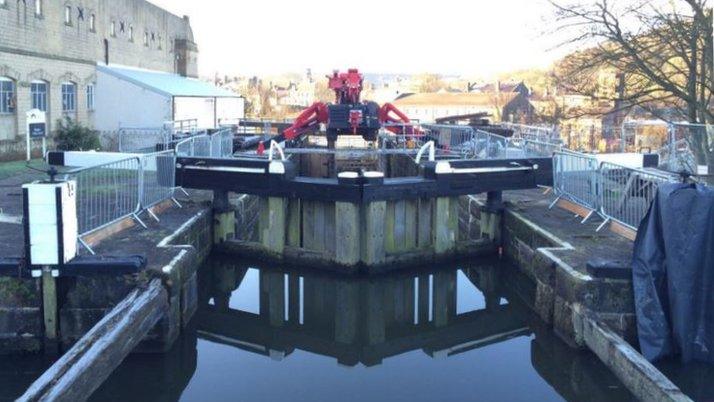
(446, 36)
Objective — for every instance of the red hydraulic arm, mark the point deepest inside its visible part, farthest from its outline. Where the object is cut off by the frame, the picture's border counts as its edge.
(386, 113)
(306, 121)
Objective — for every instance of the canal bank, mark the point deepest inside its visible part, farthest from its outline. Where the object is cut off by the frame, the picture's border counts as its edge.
(585, 310)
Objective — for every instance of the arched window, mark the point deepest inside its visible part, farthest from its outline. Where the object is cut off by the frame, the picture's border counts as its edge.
(69, 97)
(93, 23)
(146, 38)
(131, 33)
(113, 29)
(38, 8)
(38, 92)
(68, 15)
(8, 100)
(90, 96)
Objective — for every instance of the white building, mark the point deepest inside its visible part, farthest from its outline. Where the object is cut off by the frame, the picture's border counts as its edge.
(132, 97)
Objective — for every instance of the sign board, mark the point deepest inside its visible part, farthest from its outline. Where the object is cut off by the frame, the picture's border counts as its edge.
(36, 129)
(36, 124)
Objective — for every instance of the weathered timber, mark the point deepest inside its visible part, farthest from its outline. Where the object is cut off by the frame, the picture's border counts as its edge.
(272, 224)
(445, 224)
(347, 233)
(49, 309)
(94, 357)
(373, 252)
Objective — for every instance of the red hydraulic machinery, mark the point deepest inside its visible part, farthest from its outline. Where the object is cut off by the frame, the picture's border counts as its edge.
(349, 114)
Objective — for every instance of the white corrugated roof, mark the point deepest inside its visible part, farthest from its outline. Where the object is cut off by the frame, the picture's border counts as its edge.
(167, 83)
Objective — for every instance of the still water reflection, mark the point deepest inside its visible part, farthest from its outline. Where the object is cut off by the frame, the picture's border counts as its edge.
(453, 334)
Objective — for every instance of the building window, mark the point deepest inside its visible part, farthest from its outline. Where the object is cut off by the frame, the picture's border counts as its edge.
(68, 15)
(146, 38)
(38, 92)
(131, 33)
(7, 95)
(38, 8)
(93, 23)
(3, 3)
(69, 97)
(90, 97)
(113, 29)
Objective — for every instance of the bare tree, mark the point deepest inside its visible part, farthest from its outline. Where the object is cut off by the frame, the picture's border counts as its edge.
(663, 52)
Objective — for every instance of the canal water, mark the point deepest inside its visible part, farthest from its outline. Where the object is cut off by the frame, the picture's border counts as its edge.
(459, 332)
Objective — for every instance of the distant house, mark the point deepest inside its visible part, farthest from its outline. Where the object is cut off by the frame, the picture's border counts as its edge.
(503, 106)
(498, 86)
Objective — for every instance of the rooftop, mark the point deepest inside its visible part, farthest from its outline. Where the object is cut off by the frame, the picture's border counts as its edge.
(167, 83)
(455, 99)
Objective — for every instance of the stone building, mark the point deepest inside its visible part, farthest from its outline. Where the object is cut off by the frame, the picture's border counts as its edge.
(49, 51)
(499, 106)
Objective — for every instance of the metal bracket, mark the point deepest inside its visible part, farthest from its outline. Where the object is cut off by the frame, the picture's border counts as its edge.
(275, 146)
(432, 152)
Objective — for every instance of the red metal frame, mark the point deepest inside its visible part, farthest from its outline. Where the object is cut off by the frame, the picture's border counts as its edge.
(348, 89)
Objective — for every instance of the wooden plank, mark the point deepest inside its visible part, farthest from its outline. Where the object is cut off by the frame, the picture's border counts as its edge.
(308, 225)
(444, 225)
(294, 223)
(574, 208)
(400, 236)
(410, 224)
(330, 219)
(49, 309)
(373, 252)
(161, 207)
(93, 239)
(424, 216)
(622, 230)
(390, 245)
(319, 226)
(347, 247)
(77, 374)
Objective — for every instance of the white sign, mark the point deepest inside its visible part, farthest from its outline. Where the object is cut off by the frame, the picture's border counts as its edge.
(36, 129)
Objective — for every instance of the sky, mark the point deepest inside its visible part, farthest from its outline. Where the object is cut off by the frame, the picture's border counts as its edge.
(476, 38)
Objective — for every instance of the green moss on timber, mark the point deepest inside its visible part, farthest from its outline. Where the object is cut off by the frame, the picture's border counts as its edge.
(18, 292)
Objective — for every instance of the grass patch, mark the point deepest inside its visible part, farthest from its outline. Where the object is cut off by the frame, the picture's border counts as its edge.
(9, 169)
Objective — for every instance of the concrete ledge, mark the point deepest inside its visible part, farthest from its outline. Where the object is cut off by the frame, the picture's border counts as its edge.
(639, 376)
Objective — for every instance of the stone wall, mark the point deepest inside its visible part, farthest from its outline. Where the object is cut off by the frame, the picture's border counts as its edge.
(562, 292)
(50, 37)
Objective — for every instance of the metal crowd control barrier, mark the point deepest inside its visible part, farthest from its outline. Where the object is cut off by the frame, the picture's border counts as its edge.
(198, 145)
(106, 194)
(540, 148)
(617, 193)
(453, 139)
(222, 144)
(216, 145)
(575, 178)
(158, 180)
(487, 145)
(535, 133)
(110, 192)
(625, 194)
